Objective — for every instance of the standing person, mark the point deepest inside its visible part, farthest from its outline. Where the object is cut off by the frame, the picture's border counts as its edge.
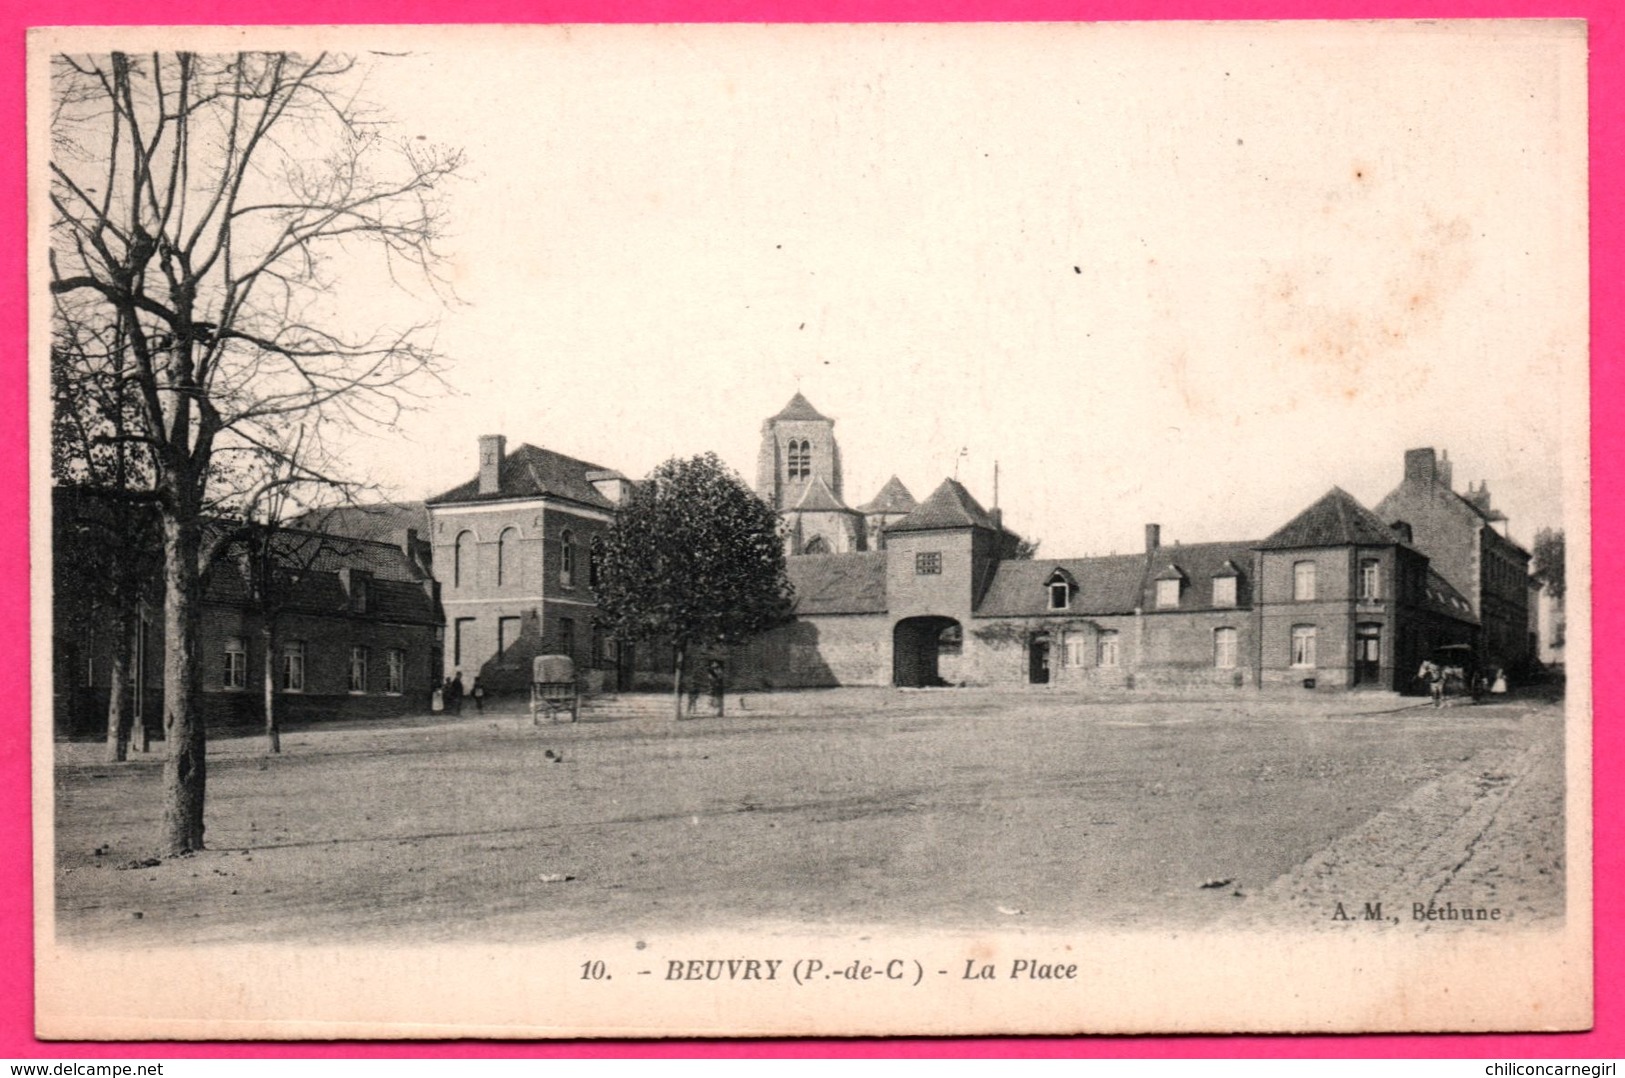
(715, 684)
(454, 695)
(478, 693)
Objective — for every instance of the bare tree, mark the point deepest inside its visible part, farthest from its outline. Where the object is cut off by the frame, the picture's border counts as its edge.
(204, 209)
(103, 521)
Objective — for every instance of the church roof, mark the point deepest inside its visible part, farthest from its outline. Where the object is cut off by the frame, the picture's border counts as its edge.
(532, 472)
(799, 408)
(893, 498)
(818, 497)
(1335, 520)
(949, 506)
(838, 583)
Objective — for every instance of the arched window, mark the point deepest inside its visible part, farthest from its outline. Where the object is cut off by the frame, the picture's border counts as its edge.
(462, 561)
(816, 545)
(567, 559)
(507, 557)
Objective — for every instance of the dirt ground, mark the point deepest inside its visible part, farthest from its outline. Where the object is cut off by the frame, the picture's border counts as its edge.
(949, 809)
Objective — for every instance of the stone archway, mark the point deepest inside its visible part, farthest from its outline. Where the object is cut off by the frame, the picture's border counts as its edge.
(916, 644)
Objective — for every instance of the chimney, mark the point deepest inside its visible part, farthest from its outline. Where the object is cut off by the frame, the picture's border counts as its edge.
(1444, 470)
(997, 515)
(1420, 466)
(1480, 496)
(1153, 537)
(492, 449)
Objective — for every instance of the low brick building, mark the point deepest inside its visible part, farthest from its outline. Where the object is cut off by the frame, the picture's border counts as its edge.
(353, 627)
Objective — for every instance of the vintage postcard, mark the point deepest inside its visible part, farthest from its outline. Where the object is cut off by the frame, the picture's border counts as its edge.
(651, 531)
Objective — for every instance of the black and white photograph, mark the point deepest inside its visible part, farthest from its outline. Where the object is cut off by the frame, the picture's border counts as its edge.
(732, 531)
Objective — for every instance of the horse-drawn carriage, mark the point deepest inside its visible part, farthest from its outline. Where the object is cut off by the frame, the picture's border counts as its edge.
(553, 688)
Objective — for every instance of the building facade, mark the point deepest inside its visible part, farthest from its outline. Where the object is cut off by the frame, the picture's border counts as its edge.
(339, 626)
(1466, 541)
(931, 593)
(514, 550)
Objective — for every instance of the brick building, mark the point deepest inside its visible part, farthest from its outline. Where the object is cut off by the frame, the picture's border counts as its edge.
(513, 549)
(355, 630)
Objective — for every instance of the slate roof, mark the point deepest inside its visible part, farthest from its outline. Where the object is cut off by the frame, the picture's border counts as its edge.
(1441, 597)
(1337, 519)
(1106, 585)
(383, 521)
(893, 498)
(839, 583)
(818, 497)
(313, 560)
(949, 506)
(1200, 563)
(532, 472)
(799, 408)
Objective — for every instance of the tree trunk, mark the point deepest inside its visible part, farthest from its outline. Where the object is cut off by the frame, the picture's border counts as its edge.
(184, 770)
(140, 732)
(677, 681)
(273, 733)
(118, 686)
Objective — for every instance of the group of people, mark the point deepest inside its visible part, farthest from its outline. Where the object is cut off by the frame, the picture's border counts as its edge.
(715, 686)
(449, 696)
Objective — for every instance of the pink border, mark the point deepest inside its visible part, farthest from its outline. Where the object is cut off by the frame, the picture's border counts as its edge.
(1608, 449)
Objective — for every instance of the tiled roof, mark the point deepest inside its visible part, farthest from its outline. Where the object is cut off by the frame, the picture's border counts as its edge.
(383, 521)
(839, 583)
(818, 497)
(893, 498)
(1200, 563)
(798, 408)
(1441, 597)
(312, 562)
(531, 472)
(1109, 585)
(950, 506)
(1335, 520)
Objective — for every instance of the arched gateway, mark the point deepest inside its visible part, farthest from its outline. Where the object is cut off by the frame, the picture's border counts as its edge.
(916, 645)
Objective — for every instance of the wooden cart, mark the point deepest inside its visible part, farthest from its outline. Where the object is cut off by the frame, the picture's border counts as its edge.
(553, 688)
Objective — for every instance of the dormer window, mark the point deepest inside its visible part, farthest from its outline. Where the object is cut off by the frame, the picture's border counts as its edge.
(1061, 585)
(1224, 585)
(1169, 583)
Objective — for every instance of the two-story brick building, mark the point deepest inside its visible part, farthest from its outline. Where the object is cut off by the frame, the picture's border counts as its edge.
(514, 550)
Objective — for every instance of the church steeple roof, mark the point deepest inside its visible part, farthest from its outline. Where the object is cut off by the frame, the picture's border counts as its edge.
(893, 498)
(818, 497)
(799, 408)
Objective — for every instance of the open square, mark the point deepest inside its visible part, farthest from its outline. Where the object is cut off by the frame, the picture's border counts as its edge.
(956, 808)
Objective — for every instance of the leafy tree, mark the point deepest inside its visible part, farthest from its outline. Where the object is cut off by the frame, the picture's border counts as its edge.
(1548, 561)
(200, 208)
(695, 559)
(1025, 549)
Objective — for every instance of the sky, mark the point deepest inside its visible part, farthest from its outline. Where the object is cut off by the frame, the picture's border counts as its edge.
(1194, 275)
